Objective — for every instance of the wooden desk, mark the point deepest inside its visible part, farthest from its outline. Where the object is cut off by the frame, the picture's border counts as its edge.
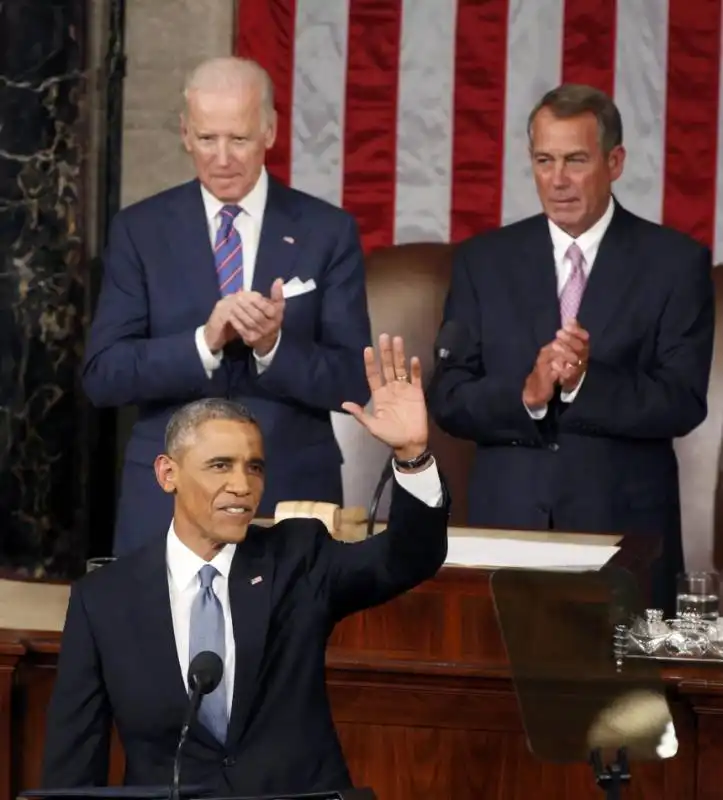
(425, 707)
(436, 715)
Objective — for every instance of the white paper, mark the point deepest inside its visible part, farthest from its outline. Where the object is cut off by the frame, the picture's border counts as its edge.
(472, 551)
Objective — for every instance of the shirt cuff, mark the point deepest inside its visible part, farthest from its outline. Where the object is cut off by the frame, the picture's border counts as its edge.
(537, 413)
(264, 362)
(210, 361)
(568, 397)
(426, 485)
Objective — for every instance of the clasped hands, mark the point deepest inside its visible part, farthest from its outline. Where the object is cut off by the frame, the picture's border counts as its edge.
(249, 316)
(561, 362)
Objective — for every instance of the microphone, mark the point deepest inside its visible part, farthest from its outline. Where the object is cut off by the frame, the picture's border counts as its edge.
(449, 342)
(204, 675)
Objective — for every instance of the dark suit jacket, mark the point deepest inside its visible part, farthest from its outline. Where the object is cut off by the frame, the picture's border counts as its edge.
(604, 462)
(118, 657)
(160, 284)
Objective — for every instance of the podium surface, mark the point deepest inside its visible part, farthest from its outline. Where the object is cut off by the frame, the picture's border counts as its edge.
(422, 697)
(162, 793)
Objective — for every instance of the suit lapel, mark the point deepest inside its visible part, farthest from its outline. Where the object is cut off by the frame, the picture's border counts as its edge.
(281, 238)
(156, 633)
(190, 246)
(250, 585)
(611, 276)
(534, 280)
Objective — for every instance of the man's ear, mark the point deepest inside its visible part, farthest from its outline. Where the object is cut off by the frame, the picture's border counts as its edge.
(166, 473)
(185, 133)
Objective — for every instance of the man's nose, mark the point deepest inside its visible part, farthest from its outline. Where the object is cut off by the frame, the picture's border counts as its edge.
(222, 154)
(238, 483)
(559, 174)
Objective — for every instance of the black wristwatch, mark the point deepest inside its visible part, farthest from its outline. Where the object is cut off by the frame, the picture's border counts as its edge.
(417, 461)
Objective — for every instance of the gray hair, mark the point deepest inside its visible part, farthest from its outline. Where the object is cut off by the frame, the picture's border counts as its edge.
(186, 420)
(231, 74)
(573, 99)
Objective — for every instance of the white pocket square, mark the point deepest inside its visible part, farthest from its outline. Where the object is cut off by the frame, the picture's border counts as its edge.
(295, 287)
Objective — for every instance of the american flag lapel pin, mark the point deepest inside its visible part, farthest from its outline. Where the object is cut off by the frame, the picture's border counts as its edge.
(256, 580)
(289, 239)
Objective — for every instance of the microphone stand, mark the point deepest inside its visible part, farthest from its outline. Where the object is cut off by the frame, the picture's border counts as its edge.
(195, 701)
(611, 778)
(384, 479)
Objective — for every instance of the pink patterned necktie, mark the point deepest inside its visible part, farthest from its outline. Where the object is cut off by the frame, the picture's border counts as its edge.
(574, 287)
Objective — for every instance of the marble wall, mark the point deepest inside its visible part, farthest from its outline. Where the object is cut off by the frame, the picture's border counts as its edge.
(43, 138)
(53, 196)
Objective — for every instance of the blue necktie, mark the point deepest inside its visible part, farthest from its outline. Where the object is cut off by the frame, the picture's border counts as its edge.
(228, 253)
(207, 633)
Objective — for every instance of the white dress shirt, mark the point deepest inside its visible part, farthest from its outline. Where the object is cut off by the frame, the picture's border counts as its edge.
(183, 566)
(248, 224)
(589, 244)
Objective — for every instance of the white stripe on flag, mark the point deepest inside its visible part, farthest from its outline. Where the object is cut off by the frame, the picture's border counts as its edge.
(718, 224)
(534, 65)
(424, 122)
(641, 59)
(317, 165)
(320, 57)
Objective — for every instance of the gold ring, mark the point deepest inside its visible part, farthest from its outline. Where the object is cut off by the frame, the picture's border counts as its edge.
(402, 377)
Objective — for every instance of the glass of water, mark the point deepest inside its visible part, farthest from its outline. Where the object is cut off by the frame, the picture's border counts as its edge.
(96, 563)
(698, 592)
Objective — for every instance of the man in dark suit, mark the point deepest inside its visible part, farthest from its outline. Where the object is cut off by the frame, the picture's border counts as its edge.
(590, 344)
(232, 285)
(271, 595)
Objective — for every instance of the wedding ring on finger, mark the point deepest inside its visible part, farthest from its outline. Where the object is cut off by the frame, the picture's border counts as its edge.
(402, 377)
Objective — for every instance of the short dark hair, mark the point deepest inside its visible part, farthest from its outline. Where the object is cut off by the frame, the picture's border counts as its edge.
(188, 418)
(573, 99)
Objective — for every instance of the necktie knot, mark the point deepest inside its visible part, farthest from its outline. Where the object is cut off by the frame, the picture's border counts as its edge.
(229, 213)
(574, 253)
(206, 575)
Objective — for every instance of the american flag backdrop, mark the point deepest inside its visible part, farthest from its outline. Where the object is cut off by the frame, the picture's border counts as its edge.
(411, 114)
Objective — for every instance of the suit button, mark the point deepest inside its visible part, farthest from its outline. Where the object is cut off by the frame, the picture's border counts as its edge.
(229, 761)
(554, 447)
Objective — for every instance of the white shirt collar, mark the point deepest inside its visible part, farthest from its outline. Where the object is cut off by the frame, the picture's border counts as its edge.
(183, 564)
(253, 204)
(588, 242)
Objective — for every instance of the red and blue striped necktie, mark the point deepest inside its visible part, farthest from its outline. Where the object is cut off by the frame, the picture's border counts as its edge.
(228, 253)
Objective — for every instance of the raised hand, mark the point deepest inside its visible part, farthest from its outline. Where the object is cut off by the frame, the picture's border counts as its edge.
(399, 416)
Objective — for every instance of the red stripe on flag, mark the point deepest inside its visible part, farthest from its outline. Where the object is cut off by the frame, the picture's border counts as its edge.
(370, 118)
(691, 126)
(479, 116)
(588, 54)
(265, 32)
